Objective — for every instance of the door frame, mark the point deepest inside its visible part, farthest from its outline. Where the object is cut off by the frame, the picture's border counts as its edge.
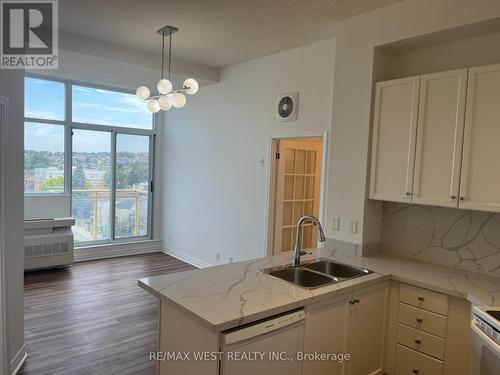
(272, 182)
(4, 343)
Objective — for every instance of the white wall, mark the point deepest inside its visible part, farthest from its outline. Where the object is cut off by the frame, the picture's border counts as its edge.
(356, 41)
(12, 87)
(215, 189)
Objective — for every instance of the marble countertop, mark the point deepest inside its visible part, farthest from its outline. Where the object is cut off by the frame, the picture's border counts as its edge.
(230, 295)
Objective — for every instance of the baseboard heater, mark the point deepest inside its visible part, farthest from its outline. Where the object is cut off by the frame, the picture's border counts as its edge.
(48, 243)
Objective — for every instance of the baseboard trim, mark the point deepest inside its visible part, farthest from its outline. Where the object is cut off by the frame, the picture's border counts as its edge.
(187, 258)
(18, 361)
(117, 250)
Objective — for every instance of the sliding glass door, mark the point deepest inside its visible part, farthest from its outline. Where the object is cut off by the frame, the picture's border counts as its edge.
(91, 185)
(133, 176)
(111, 184)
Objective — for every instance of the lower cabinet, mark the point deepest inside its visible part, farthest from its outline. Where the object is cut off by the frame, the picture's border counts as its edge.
(428, 332)
(350, 324)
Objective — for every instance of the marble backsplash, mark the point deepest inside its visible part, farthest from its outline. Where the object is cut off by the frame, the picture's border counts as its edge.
(468, 240)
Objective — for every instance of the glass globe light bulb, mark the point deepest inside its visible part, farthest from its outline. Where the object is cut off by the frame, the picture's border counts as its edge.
(191, 86)
(178, 100)
(164, 86)
(165, 103)
(153, 106)
(142, 92)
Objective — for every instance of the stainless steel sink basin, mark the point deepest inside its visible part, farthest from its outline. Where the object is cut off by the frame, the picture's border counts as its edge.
(340, 270)
(315, 273)
(302, 277)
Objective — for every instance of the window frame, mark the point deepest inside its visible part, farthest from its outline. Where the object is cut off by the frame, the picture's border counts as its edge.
(69, 125)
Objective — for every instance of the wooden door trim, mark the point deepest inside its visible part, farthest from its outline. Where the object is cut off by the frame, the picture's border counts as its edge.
(272, 183)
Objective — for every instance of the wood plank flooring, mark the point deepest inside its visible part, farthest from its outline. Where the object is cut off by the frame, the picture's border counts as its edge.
(92, 318)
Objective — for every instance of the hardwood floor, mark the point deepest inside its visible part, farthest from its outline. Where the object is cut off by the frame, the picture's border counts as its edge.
(92, 318)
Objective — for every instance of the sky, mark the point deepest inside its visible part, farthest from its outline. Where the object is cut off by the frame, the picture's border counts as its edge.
(45, 99)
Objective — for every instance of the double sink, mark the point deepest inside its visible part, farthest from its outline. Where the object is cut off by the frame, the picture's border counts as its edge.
(316, 273)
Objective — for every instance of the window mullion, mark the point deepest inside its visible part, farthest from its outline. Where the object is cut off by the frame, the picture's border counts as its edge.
(112, 200)
(68, 142)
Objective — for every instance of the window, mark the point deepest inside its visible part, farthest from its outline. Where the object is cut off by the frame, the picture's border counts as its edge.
(110, 134)
(44, 114)
(43, 158)
(104, 107)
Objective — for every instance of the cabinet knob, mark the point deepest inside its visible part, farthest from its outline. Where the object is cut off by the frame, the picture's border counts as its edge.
(408, 193)
(462, 198)
(419, 320)
(453, 197)
(421, 299)
(418, 342)
(415, 371)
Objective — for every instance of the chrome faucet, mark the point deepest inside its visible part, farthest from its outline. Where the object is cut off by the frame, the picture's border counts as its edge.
(298, 251)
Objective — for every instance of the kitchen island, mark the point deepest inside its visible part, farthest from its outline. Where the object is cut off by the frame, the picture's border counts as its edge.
(196, 306)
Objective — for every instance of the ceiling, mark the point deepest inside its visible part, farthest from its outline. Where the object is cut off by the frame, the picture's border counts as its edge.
(214, 33)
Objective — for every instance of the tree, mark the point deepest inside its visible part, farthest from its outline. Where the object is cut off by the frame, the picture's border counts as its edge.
(79, 181)
(53, 184)
(36, 159)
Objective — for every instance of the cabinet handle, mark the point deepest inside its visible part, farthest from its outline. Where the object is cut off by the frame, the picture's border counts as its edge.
(462, 198)
(453, 197)
(418, 342)
(421, 299)
(415, 371)
(419, 320)
(408, 193)
(356, 300)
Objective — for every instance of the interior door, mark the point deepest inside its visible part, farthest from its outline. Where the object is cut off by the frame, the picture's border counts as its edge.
(439, 138)
(297, 190)
(394, 135)
(480, 176)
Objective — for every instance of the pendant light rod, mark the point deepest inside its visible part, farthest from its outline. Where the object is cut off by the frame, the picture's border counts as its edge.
(163, 55)
(169, 52)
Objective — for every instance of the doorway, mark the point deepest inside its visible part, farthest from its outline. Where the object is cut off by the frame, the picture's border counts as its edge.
(296, 184)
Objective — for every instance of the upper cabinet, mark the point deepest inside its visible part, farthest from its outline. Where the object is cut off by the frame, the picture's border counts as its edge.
(439, 138)
(394, 134)
(480, 180)
(435, 139)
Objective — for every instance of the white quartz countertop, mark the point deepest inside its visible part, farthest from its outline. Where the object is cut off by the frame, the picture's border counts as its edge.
(230, 295)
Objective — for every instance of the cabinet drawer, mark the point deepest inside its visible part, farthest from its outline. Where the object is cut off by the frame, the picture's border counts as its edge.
(424, 299)
(410, 362)
(422, 319)
(421, 341)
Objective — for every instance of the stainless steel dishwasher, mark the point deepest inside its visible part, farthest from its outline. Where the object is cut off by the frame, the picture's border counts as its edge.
(267, 347)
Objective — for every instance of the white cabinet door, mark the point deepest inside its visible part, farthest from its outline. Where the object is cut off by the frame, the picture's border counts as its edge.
(439, 138)
(366, 330)
(480, 178)
(393, 140)
(325, 332)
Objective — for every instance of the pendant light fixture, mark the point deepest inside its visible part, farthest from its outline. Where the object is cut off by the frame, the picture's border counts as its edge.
(167, 96)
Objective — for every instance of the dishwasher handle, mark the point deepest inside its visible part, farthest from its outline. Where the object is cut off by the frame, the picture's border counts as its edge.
(262, 327)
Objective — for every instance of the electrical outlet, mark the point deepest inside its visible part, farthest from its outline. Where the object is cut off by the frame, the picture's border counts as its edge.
(230, 259)
(217, 256)
(169, 239)
(353, 228)
(335, 223)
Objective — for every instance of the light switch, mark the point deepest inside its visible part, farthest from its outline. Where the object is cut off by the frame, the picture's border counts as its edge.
(335, 223)
(353, 228)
